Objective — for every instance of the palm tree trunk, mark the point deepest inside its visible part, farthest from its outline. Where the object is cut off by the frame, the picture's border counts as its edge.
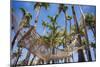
(13, 22)
(15, 37)
(18, 56)
(68, 59)
(37, 15)
(32, 60)
(70, 40)
(94, 32)
(44, 30)
(72, 57)
(70, 26)
(27, 58)
(81, 57)
(53, 49)
(86, 35)
(53, 52)
(88, 53)
(65, 45)
(94, 50)
(50, 53)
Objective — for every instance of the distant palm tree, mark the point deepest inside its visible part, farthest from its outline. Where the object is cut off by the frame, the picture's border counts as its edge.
(54, 34)
(44, 24)
(37, 7)
(81, 57)
(69, 18)
(86, 34)
(91, 22)
(52, 27)
(63, 8)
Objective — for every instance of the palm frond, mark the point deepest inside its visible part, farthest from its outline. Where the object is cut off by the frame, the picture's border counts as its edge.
(23, 11)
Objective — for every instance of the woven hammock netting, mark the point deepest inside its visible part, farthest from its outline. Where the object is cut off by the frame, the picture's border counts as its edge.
(37, 46)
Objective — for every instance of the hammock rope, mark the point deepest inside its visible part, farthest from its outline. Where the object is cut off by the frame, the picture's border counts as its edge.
(36, 42)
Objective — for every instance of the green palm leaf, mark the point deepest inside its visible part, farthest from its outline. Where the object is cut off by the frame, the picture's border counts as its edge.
(23, 11)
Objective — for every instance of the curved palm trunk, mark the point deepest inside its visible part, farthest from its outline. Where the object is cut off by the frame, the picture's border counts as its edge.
(81, 57)
(15, 37)
(86, 35)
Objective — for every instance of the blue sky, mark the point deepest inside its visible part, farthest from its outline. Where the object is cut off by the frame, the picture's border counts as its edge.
(52, 12)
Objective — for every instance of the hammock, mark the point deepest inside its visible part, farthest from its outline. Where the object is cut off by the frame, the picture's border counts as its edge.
(35, 45)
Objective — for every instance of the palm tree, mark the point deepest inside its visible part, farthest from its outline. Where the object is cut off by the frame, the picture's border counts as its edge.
(63, 8)
(37, 7)
(54, 34)
(44, 24)
(25, 19)
(94, 49)
(52, 27)
(81, 57)
(91, 23)
(86, 35)
(24, 23)
(69, 19)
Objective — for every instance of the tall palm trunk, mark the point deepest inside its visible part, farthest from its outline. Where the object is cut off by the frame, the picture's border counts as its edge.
(65, 45)
(15, 37)
(70, 40)
(44, 30)
(70, 26)
(94, 32)
(27, 58)
(81, 57)
(36, 19)
(32, 60)
(86, 36)
(53, 49)
(94, 50)
(53, 52)
(18, 56)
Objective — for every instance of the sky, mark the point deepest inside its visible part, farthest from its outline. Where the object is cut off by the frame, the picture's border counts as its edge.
(52, 12)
